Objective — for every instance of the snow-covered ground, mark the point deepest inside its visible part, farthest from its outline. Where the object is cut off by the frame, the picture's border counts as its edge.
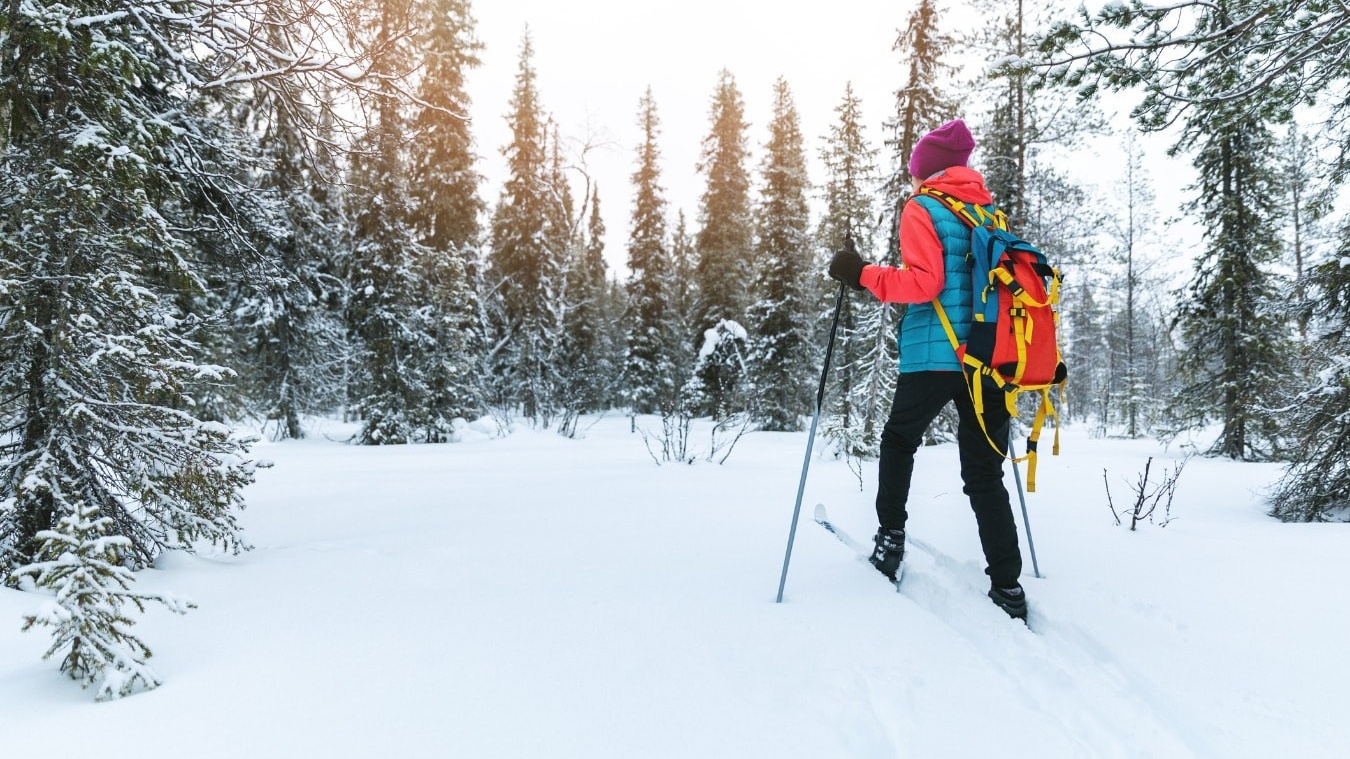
(534, 596)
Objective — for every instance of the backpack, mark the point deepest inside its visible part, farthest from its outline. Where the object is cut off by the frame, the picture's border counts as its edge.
(1012, 344)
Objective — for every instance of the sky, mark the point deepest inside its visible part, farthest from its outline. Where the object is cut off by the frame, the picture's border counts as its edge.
(595, 59)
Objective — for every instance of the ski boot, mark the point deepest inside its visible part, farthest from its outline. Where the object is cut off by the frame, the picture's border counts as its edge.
(1012, 600)
(889, 552)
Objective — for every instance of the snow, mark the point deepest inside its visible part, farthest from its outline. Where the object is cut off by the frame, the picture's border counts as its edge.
(725, 329)
(537, 596)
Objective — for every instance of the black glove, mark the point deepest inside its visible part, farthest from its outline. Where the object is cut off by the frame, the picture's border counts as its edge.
(847, 265)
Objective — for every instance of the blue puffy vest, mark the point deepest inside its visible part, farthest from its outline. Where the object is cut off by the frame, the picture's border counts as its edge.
(923, 343)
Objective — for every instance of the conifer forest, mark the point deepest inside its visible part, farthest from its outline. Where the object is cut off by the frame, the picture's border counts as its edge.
(221, 220)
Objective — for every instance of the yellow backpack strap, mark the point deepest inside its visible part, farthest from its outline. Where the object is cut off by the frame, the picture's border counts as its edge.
(946, 324)
(958, 207)
(1046, 411)
(1033, 441)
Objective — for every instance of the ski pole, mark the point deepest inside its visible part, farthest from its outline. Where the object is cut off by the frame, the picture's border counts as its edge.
(811, 438)
(1026, 520)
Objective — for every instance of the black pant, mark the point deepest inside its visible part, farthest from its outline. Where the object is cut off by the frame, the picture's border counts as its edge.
(919, 397)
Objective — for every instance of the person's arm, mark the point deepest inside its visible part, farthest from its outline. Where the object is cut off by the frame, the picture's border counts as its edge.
(922, 274)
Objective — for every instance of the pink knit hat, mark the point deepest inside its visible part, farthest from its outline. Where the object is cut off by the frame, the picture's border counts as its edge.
(948, 145)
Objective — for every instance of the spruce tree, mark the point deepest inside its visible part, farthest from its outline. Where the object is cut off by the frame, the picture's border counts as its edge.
(1065, 223)
(589, 365)
(650, 373)
(1132, 391)
(290, 342)
(684, 260)
(525, 276)
(443, 158)
(1087, 347)
(1044, 202)
(393, 308)
(854, 408)
(446, 204)
(1238, 62)
(1012, 127)
(684, 300)
(781, 355)
(615, 310)
(714, 370)
(1309, 199)
(80, 562)
(923, 103)
(1316, 488)
(119, 192)
(723, 243)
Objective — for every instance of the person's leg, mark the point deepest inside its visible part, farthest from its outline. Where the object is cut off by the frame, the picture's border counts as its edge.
(919, 396)
(982, 473)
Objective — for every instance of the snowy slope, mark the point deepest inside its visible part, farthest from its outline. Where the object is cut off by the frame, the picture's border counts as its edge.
(534, 596)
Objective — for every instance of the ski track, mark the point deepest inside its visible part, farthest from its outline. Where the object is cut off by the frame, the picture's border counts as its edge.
(1069, 674)
(1059, 666)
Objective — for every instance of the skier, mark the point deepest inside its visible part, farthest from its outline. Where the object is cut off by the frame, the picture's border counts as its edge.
(934, 244)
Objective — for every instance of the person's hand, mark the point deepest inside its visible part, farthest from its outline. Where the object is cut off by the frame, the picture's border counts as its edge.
(847, 265)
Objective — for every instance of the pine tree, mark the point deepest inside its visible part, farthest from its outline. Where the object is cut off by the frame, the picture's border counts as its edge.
(781, 355)
(446, 204)
(855, 406)
(1227, 317)
(524, 271)
(724, 240)
(1089, 53)
(1238, 60)
(650, 374)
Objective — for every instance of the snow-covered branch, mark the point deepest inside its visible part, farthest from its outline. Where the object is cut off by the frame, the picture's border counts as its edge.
(1296, 49)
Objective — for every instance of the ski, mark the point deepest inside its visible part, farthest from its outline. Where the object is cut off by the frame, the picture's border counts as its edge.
(823, 519)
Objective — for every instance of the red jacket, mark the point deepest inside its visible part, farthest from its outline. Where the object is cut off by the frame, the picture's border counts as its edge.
(921, 275)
